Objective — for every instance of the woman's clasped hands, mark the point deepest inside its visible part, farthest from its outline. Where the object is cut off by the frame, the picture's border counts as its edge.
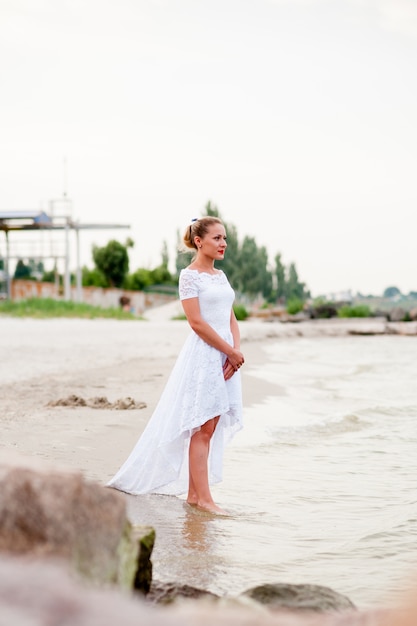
(233, 362)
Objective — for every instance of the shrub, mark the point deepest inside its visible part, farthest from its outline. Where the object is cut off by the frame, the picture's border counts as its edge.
(360, 310)
(294, 305)
(240, 312)
(139, 280)
(322, 309)
(93, 278)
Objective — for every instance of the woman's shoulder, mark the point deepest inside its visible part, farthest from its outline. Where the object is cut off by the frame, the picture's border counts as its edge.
(189, 283)
(195, 272)
(192, 280)
(188, 274)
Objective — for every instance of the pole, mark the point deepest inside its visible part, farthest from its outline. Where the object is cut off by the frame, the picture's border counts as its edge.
(7, 268)
(67, 280)
(79, 281)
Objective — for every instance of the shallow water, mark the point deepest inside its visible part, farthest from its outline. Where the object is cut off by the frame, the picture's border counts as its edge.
(321, 482)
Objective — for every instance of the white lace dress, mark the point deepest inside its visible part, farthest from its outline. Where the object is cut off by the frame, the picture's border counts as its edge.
(195, 392)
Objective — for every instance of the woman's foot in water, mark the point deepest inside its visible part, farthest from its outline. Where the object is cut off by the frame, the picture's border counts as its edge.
(208, 507)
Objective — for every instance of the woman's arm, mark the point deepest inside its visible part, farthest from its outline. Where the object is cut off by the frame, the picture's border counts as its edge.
(234, 327)
(228, 370)
(208, 334)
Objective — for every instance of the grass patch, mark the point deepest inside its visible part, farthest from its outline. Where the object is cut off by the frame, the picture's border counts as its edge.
(180, 317)
(360, 310)
(48, 307)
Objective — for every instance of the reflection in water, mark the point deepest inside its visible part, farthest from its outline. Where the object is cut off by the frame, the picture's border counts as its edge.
(188, 541)
(203, 557)
(198, 531)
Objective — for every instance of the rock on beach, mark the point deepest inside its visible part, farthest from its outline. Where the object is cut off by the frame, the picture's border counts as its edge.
(301, 597)
(46, 511)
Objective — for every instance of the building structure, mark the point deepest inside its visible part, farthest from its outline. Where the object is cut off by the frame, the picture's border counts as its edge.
(18, 222)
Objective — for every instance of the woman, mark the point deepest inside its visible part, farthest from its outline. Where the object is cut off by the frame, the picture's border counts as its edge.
(200, 408)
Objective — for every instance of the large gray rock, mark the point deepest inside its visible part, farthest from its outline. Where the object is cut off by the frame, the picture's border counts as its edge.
(299, 597)
(49, 511)
(166, 593)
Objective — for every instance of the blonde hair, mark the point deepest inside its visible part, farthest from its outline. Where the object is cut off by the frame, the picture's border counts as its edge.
(198, 228)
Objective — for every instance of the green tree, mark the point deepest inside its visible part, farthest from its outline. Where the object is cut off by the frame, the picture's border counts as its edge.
(93, 278)
(245, 265)
(254, 277)
(391, 292)
(161, 275)
(294, 288)
(280, 277)
(112, 261)
(139, 280)
(23, 270)
(211, 210)
(165, 255)
(49, 276)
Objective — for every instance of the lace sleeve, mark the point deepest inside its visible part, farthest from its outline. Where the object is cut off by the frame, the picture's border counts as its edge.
(187, 285)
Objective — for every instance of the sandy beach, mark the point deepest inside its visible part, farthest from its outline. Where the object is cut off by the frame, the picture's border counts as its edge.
(100, 364)
(45, 361)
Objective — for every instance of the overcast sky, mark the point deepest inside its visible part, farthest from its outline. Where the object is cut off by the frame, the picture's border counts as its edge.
(296, 118)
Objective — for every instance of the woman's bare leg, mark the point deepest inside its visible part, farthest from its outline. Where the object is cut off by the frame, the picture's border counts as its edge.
(202, 446)
(199, 490)
(192, 497)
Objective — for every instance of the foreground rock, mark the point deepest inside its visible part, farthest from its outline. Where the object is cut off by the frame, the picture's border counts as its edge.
(278, 596)
(40, 593)
(167, 593)
(51, 512)
(300, 597)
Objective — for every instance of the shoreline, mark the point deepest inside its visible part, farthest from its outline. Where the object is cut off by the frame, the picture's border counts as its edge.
(44, 361)
(47, 360)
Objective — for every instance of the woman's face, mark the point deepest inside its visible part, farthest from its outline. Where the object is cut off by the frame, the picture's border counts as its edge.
(214, 243)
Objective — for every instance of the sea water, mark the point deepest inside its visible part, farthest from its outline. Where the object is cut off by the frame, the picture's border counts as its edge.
(320, 483)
